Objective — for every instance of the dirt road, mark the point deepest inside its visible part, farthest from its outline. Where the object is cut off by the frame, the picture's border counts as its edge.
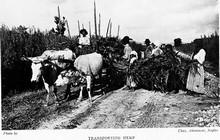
(117, 109)
(139, 109)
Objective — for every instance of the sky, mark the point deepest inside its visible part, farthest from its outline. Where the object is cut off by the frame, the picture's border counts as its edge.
(159, 20)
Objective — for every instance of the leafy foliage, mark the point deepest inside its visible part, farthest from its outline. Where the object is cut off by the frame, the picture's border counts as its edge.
(20, 41)
(60, 29)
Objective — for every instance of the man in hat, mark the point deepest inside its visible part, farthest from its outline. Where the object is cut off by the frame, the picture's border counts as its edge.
(83, 39)
(127, 48)
(149, 48)
(84, 43)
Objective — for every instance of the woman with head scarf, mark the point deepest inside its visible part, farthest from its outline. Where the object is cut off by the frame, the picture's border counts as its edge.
(149, 48)
(195, 79)
(130, 83)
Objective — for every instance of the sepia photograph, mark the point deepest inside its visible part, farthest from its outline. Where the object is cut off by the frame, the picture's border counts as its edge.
(74, 66)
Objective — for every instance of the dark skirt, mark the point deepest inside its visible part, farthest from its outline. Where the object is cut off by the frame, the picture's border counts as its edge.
(173, 81)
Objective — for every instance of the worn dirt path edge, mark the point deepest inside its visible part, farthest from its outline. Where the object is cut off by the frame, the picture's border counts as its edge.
(138, 109)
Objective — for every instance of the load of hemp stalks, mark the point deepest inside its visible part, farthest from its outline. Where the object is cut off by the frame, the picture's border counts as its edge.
(163, 73)
(116, 68)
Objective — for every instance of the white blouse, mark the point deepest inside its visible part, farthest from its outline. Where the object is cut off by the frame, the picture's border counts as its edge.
(84, 40)
(133, 58)
(157, 51)
(127, 51)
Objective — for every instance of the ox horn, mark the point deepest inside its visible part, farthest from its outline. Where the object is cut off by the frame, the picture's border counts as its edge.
(36, 59)
(32, 59)
(24, 58)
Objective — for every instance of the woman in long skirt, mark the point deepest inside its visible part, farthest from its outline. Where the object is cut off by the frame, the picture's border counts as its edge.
(130, 83)
(195, 80)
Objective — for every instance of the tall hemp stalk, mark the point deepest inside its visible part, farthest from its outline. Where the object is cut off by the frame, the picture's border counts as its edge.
(83, 26)
(78, 27)
(95, 20)
(58, 12)
(110, 30)
(118, 31)
(68, 29)
(90, 32)
(99, 25)
(108, 27)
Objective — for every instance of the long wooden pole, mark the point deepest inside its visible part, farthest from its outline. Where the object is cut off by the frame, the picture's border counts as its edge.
(95, 19)
(90, 33)
(118, 31)
(99, 25)
(58, 12)
(110, 30)
(68, 28)
(108, 27)
(79, 27)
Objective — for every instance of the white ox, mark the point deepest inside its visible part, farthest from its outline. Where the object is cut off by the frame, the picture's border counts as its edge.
(88, 66)
(48, 66)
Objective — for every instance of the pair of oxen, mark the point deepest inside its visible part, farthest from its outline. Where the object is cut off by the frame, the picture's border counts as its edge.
(57, 68)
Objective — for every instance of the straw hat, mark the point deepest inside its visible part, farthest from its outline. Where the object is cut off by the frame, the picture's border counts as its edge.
(83, 31)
